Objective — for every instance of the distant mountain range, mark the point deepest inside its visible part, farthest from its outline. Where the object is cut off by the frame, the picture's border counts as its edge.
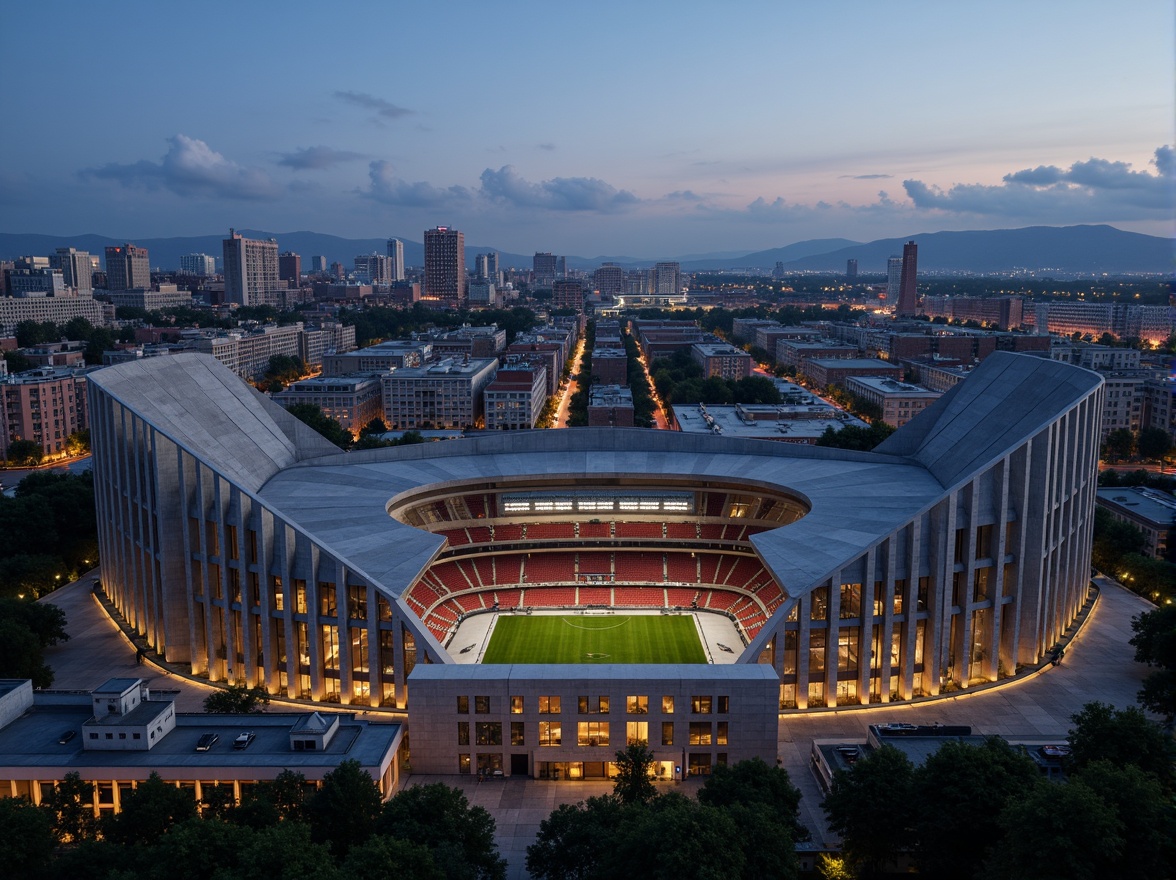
(1061, 249)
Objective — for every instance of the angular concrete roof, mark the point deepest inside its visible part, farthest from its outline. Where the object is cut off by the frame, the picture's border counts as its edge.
(208, 410)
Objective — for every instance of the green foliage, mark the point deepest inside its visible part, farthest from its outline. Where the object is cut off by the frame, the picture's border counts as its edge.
(695, 841)
(632, 784)
(959, 793)
(1122, 737)
(17, 362)
(1058, 832)
(639, 385)
(459, 836)
(329, 428)
(572, 841)
(376, 324)
(1120, 444)
(1153, 443)
(343, 811)
(387, 858)
(284, 369)
(854, 437)
(26, 839)
(872, 807)
(148, 812)
(752, 783)
(1114, 540)
(375, 426)
(1155, 645)
(25, 453)
(71, 805)
(26, 629)
(48, 532)
(237, 698)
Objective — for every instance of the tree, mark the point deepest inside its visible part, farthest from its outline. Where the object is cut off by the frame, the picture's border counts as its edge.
(460, 836)
(674, 837)
(313, 416)
(21, 654)
(237, 699)
(572, 840)
(1154, 443)
(1120, 443)
(1146, 814)
(387, 858)
(632, 784)
(343, 811)
(754, 783)
(1122, 737)
(25, 453)
(375, 426)
(148, 811)
(1113, 539)
(1155, 645)
(71, 804)
(1058, 832)
(26, 839)
(872, 836)
(854, 437)
(286, 852)
(200, 848)
(959, 793)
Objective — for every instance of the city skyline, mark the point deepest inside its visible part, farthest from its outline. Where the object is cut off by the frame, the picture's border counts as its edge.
(767, 125)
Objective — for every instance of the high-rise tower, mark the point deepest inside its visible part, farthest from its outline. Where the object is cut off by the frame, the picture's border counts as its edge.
(445, 276)
(908, 297)
(252, 277)
(127, 268)
(75, 268)
(396, 255)
(893, 278)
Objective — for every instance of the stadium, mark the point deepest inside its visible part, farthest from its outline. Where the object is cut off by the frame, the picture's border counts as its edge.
(576, 590)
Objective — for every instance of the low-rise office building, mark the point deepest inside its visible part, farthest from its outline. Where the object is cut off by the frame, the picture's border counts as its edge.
(352, 401)
(1151, 511)
(610, 406)
(899, 401)
(443, 394)
(721, 359)
(515, 399)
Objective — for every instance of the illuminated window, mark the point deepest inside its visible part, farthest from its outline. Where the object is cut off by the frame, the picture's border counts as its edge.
(488, 733)
(700, 705)
(592, 733)
(516, 705)
(637, 733)
(700, 733)
(550, 733)
(637, 705)
(463, 705)
(549, 705)
(667, 705)
(593, 705)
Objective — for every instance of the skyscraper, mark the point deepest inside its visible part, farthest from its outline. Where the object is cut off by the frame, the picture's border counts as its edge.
(251, 270)
(908, 297)
(290, 267)
(396, 255)
(197, 264)
(75, 268)
(609, 280)
(486, 266)
(667, 279)
(127, 268)
(445, 277)
(851, 270)
(543, 270)
(893, 278)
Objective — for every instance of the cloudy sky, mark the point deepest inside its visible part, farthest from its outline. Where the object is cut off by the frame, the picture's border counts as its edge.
(646, 129)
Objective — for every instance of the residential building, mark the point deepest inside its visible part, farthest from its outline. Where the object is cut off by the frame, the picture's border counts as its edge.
(45, 405)
(610, 406)
(445, 274)
(352, 401)
(445, 393)
(609, 280)
(610, 365)
(55, 309)
(543, 270)
(851, 270)
(127, 267)
(378, 358)
(76, 268)
(251, 271)
(290, 268)
(514, 400)
(568, 294)
(167, 296)
(247, 352)
(667, 279)
(835, 371)
(36, 282)
(893, 279)
(1151, 511)
(486, 267)
(721, 359)
(908, 295)
(198, 264)
(898, 401)
(483, 293)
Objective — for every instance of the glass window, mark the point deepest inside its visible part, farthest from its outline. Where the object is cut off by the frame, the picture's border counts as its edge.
(463, 705)
(592, 733)
(549, 705)
(516, 733)
(463, 733)
(637, 733)
(667, 733)
(593, 705)
(326, 598)
(700, 733)
(700, 705)
(516, 705)
(550, 733)
(721, 733)
(488, 733)
(481, 705)
(637, 705)
(463, 764)
(667, 705)
(724, 705)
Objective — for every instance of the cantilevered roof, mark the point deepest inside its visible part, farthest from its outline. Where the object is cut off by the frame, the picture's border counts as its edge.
(208, 410)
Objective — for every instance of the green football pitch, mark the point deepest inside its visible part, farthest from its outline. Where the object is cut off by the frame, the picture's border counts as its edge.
(613, 638)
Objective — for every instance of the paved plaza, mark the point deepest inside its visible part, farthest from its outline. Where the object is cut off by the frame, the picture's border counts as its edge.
(1098, 666)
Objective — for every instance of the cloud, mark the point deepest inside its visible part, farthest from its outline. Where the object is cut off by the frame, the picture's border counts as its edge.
(505, 186)
(865, 176)
(549, 147)
(1095, 189)
(192, 168)
(683, 195)
(383, 108)
(384, 186)
(317, 158)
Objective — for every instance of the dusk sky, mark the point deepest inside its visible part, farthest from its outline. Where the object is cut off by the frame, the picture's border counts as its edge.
(640, 129)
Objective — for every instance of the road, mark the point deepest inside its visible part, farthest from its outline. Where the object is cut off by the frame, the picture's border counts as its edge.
(10, 477)
(561, 415)
(661, 419)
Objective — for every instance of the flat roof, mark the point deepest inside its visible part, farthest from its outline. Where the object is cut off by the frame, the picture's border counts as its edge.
(1152, 505)
(792, 422)
(854, 363)
(573, 672)
(893, 386)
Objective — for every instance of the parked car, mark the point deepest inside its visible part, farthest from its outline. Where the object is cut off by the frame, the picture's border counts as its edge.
(67, 736)
(243, 740)
(206, 742)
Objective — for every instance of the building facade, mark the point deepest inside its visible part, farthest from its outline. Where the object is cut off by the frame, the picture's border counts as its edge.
(127, 267)
(45, 406)
(955, 552)
(352, 401)
(908, 296)
(514, 400)
(198, 264)
(445, 393)
(445, 274)
(252, 276)
(395, 252)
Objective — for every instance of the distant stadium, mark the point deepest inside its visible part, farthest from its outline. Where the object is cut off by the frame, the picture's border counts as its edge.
(541, 569)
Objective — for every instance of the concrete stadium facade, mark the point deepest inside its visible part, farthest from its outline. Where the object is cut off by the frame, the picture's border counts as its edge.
(239, 542)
